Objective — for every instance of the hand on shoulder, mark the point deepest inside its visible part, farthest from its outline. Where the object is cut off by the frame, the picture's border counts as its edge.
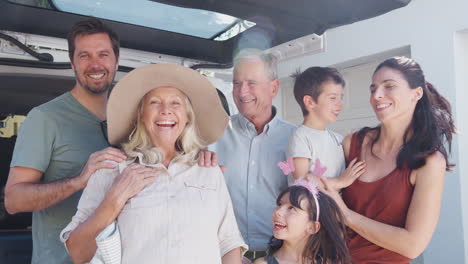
(207, 158)
(107, 158)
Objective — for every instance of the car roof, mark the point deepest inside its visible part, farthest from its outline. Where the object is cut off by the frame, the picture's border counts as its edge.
(280, 21)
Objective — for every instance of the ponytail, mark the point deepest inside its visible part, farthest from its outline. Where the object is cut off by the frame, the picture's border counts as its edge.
(432, 125)
(443, 112)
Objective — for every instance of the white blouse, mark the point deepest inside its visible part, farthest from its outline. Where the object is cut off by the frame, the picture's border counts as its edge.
(185, 216)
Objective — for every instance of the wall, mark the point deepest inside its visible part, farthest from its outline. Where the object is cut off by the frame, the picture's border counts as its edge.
(433, 31)
(461, 78)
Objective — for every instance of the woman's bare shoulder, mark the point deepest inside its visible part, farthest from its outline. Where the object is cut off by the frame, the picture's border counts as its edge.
(369, 136)
(433, 171)
(435, 162)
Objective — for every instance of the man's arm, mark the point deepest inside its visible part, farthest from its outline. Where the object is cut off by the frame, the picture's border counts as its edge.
(24, 193)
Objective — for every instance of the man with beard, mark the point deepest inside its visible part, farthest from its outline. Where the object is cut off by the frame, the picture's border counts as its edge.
(57, 149)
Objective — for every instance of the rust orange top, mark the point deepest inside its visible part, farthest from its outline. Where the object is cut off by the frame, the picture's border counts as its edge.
(385, 200)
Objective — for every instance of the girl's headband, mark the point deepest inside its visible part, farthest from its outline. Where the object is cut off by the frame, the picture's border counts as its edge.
(288, 167)
(312, 187)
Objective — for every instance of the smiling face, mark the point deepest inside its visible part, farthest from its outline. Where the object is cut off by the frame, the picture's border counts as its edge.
(253, 90)
(329, 103)
(291, 223)
(164, 116)
(391, 96)
(94, 62)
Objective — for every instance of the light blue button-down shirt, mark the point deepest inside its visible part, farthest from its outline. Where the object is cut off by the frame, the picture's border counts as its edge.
(252, 176)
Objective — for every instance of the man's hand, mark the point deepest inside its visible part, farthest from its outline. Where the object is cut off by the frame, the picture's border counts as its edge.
(132, 180)
(100, 160)
(207, 158)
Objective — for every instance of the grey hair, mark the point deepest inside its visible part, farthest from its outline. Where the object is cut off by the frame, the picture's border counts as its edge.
(268, 59)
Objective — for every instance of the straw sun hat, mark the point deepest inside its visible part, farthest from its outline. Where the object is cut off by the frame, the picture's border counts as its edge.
(123, 102)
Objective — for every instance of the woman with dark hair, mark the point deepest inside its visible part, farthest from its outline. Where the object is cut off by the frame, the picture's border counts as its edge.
(393, 208)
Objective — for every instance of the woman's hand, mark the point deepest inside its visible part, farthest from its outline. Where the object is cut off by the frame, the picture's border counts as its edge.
(335, 195)
(131, 181)
(82, 241)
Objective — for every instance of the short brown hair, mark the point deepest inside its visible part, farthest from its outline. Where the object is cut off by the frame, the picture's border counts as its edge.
(88, 27)
(310, 81)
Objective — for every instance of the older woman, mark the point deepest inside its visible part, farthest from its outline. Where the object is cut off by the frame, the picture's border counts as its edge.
(167, 208)
(393, 208)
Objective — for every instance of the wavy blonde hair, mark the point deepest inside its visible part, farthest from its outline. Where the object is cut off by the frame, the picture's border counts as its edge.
(187, 145)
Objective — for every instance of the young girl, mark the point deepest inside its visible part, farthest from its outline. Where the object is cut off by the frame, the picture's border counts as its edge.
(308, 228)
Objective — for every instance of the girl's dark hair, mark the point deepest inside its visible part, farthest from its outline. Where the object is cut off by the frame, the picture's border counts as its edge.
(329, 243)
(310, 82)
(432, 124)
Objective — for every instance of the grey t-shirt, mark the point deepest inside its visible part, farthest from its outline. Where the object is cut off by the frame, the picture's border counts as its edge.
(315, 144)
(56, 138)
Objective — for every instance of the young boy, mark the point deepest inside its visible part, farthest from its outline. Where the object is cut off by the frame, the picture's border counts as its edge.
(315, 149)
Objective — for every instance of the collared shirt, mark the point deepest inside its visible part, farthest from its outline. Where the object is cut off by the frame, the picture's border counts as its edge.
(185, 216)
(252, 176)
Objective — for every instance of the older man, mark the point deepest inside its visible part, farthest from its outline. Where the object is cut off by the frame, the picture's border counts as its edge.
(50, 164)
(252, 146)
